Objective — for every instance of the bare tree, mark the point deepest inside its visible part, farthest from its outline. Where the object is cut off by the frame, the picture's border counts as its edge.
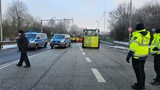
(16, 14)
(149, 14)
(75, 30)
(119, 22)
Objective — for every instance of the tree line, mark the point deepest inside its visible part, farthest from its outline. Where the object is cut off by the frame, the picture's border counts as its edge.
(17, 17)
(149, 14)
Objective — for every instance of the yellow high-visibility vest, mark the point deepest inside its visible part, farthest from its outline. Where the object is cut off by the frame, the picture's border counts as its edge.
(155, 43)
(139, 43)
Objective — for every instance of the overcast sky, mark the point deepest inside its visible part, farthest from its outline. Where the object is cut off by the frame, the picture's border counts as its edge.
(84, 12)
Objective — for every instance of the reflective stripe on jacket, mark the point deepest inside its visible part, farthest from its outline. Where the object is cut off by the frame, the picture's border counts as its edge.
(155, 43)
(139, 43)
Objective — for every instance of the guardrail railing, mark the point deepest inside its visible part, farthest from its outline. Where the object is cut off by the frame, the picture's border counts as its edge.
(6, 43)
(116, 43)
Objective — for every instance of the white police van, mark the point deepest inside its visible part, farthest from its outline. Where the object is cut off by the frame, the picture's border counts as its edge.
(36, 40)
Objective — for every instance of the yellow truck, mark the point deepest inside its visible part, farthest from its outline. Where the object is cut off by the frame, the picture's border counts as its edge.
(91, 38)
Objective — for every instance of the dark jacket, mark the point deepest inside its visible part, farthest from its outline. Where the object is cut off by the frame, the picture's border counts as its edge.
(23, 41)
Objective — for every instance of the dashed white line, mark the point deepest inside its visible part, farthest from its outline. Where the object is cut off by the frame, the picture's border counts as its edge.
(98, 75)
(8, 64)
(81, 49)
(83, 53)
(88, 59)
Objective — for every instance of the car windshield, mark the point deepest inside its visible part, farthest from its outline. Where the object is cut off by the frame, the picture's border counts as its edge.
(30, 36)
(58, 36)
(91, 33)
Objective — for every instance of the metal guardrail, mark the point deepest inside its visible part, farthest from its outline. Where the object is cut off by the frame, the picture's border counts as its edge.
(115, 43)
(108, 43)
(6, 43)
(120, 44)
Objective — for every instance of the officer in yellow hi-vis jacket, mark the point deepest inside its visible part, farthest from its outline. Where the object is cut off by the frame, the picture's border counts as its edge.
(155, 50)
(138, 50)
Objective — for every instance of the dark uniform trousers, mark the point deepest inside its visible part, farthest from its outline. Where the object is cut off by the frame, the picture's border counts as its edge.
(157, 66)
(24, 58)
(138, 66)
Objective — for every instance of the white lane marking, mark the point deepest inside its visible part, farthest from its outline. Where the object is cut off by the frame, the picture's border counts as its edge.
(98, 75)
(79, 44)
(88, 59)
(81, 49)
(83, 53)
(8, 64)
(13, 62)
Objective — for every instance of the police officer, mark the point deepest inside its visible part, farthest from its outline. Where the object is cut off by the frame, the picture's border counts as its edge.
(23, 41)
(155, 50)
(138, 50)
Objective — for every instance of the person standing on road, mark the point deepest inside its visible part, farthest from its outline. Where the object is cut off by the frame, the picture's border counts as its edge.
(155, 50)
(23, 41)
(138, 50)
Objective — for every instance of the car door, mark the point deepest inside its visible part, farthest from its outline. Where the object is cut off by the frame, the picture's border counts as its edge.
(39, 39)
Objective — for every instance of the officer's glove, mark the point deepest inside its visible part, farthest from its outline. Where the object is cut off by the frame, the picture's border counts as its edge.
(130, 54)
(155, 49)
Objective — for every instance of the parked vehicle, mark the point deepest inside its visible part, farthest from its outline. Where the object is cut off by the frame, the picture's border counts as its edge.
(91, 38)
(60, 40)
(76, 39)
(36, 40)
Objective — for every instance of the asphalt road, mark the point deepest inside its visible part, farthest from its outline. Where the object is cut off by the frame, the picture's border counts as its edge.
(75, 68)
(13, 54)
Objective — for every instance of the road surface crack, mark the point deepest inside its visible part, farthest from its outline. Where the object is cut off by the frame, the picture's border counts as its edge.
(47, 71)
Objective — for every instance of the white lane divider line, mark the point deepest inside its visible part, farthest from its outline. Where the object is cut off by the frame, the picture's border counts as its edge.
(83, 53)
(8, 64)
(81, 49)
(16, 61)
(88, 59)
(98, 75)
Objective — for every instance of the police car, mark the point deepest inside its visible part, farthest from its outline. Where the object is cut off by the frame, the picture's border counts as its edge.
(36, 40)
(60, 40)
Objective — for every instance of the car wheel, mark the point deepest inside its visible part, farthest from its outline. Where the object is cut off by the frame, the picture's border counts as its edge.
(67, 45)
(36, 47)
(51, 47)
(45, 45)
(83, 44)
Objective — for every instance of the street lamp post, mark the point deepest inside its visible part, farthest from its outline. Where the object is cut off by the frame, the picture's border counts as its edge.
(130, 21)
(1, 24)
(53, 24)
(41, 27)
